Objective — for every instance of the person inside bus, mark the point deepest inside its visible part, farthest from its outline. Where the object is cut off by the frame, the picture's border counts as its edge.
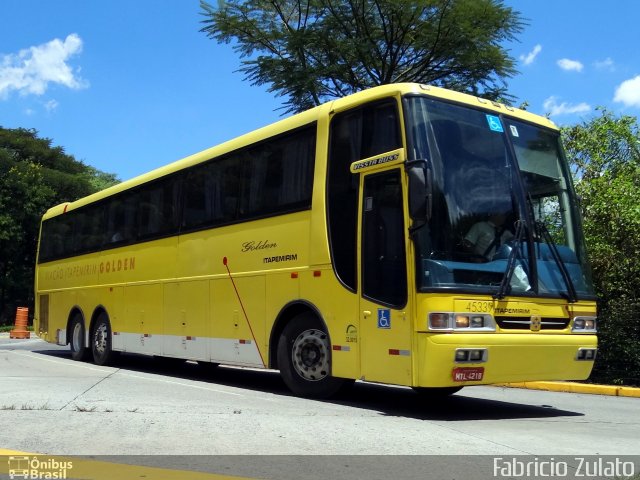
(485, 237)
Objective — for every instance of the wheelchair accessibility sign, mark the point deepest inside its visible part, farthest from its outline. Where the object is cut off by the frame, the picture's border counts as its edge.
(384, 318)
(494, 123)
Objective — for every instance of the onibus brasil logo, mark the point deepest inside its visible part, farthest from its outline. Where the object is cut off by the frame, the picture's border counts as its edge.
(37, 468)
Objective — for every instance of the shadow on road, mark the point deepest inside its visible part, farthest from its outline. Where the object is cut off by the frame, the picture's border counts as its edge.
(387, 400)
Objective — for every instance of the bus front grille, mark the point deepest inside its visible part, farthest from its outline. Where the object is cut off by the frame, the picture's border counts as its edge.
(524, 323)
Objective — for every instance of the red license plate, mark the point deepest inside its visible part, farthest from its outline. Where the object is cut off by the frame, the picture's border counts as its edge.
(467, 374)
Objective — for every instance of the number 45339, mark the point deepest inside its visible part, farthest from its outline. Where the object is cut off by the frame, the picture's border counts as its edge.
(479, 307)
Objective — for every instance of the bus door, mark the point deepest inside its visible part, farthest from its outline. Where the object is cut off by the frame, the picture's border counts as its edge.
(385, 322)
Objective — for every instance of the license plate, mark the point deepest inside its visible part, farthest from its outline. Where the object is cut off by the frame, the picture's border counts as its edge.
(467, 374)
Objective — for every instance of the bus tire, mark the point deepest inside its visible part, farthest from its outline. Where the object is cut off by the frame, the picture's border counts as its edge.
(304, 358)
(101, 340)
(79, 351)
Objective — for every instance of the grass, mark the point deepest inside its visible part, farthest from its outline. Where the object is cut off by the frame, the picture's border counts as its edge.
(8, 328)
(25, 406)
(85, 409)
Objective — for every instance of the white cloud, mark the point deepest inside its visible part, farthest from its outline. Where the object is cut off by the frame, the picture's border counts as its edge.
(531, 56)
(606, 64)
(628, 92)
(553, 108)
(51, 105)
(570, 65)
(31, 70)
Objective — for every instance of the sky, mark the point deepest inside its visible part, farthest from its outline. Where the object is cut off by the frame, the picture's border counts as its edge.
(130, 85)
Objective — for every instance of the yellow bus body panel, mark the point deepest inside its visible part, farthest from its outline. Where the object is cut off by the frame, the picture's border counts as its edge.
(216, 294)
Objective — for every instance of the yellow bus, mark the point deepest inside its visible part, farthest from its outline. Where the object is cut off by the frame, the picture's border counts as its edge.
(405, 234)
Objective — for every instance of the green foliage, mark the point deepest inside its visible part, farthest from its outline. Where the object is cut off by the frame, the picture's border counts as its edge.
(100, 180)
(34, 176)
(310, 51)
(605, 158)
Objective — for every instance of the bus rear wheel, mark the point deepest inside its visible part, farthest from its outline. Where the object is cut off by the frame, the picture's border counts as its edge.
(101, 341)
(304, 358)
(78, 349)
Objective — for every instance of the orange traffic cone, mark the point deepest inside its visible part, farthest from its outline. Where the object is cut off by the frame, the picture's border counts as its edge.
(22, 315)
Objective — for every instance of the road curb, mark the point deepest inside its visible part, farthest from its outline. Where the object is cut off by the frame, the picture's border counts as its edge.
(572, 387)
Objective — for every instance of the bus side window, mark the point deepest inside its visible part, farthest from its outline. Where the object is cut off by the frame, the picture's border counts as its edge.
(296, 169)
(197, 207)
(231, 178)
(55, 237)
(122, 219)
(88, 228)
(278, 174)
(255, 166)
(355, 134)
(157, 208)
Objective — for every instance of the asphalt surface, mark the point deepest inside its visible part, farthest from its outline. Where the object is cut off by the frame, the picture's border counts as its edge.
(181, 414)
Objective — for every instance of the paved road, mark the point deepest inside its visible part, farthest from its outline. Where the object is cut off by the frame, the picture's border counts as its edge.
(52, 404)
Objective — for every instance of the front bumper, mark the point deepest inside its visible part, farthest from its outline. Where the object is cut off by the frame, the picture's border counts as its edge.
(509, 358)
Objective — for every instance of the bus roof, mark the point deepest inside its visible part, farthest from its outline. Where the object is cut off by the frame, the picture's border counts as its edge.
(298, 120)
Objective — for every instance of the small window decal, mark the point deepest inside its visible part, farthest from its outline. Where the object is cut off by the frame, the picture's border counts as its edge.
(368, 204)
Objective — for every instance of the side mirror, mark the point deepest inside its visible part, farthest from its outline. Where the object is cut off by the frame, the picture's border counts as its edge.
(420, 189)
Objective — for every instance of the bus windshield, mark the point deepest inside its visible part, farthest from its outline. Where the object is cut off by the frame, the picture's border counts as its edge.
(494, 218)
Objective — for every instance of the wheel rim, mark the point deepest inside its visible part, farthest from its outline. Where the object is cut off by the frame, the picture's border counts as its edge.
(77, 337)
(100, 338)
(310, 355)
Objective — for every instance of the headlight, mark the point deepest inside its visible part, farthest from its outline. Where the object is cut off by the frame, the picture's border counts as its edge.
(584, 324)
(587, 354)
(439, 321)
(477, 321)
(461, 322)
(462, 356)
(471, 355)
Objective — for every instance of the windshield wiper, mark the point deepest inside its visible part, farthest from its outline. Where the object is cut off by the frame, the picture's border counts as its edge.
(511, 262)
(546, 236)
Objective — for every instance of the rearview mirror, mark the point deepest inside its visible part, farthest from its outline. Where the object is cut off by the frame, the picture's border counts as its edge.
(420, 189)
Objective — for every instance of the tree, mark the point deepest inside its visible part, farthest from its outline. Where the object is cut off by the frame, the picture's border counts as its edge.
(34, 175)
(604, 153)
(313, 50)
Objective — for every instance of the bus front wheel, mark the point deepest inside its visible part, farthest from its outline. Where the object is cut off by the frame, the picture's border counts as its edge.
(304, 358)
(78, 349)
(101, 341)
